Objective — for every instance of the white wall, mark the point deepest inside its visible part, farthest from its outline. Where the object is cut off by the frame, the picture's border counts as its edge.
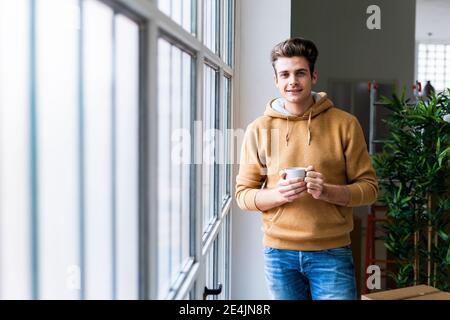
(261, 24)
(432, 16)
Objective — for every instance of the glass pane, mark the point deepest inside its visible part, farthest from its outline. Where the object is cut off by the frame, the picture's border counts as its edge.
(175, 172)
(224, 258)
(186, 178)
(431, 55)
(165, 6)
(187, 12)
(176, 10)
(228, 31)
(174, 119)
(97, 57)
(210, 24)
(15, 249)
(164, 199)
(58, 175)
(181, 11)
(421, 55)
(211, 266)
(227, 119)
(223, 143)
(209, 150)
(127, 157)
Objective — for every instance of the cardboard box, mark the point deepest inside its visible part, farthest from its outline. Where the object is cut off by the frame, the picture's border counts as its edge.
(421, 292)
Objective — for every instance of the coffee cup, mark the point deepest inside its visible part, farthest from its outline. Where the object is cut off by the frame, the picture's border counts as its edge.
(295, 172)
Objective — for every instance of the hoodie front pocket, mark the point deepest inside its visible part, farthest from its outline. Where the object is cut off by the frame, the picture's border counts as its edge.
(274, 218)
(339, 215)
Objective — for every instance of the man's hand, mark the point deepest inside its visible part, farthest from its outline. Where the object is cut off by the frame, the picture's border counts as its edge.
(286, 191)
(314, 183)
(316, 186)
(289, 190)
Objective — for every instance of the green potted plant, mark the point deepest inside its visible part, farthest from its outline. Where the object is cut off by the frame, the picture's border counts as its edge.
(414, 170)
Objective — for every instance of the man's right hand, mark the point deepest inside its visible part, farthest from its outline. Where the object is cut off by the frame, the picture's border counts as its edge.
(286, 191)
(289, 190)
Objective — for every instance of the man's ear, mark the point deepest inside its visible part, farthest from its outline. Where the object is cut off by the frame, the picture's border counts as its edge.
(315, 76)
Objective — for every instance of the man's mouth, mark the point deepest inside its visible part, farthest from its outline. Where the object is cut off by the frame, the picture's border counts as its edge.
(294, 91)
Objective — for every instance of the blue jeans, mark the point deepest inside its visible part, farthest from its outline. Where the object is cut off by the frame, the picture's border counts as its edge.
(303, 275)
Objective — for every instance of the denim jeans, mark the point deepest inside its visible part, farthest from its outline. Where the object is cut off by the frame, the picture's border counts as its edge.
(303, 275)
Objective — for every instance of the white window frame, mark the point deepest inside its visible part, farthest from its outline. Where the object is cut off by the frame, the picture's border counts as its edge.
(157, 22)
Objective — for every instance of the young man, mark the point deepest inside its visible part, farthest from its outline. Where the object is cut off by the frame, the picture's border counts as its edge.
(306, 221)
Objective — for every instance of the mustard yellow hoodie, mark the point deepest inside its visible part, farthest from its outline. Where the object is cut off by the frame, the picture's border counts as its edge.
(333, 142)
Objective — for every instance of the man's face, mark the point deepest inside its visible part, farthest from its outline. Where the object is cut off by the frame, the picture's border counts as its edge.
(293, 79)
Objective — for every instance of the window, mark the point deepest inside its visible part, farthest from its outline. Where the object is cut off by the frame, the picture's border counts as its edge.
(434, 65)
(115, 168)
(174, 170)
(69, 125)
(210, 178)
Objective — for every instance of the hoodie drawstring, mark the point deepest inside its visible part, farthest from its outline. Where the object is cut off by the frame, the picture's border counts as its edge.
(309, 128)
(287, 131)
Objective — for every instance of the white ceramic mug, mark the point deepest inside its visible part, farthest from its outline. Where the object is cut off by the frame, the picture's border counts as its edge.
(295, 172)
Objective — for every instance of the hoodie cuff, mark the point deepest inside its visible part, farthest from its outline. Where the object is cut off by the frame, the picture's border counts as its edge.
(356, 195)
(250, 200)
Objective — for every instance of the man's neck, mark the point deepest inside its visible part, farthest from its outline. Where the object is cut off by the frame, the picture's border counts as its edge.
(300, 108)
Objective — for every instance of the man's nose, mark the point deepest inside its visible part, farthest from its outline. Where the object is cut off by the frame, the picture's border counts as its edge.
(292, 79)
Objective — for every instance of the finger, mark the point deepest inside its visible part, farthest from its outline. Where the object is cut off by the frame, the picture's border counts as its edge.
(316, 194)
(314, 180)
(295, 193)
(288, 190)
(295, 180)
(314, 174)
(282, 174)
(296, 196)
(314, 186)
(287, 187)
(283, 183)
(309, 168)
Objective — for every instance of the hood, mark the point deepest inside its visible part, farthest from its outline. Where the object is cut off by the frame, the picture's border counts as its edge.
(275, 109)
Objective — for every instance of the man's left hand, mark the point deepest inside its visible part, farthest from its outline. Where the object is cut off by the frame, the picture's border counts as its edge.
(315, 183)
